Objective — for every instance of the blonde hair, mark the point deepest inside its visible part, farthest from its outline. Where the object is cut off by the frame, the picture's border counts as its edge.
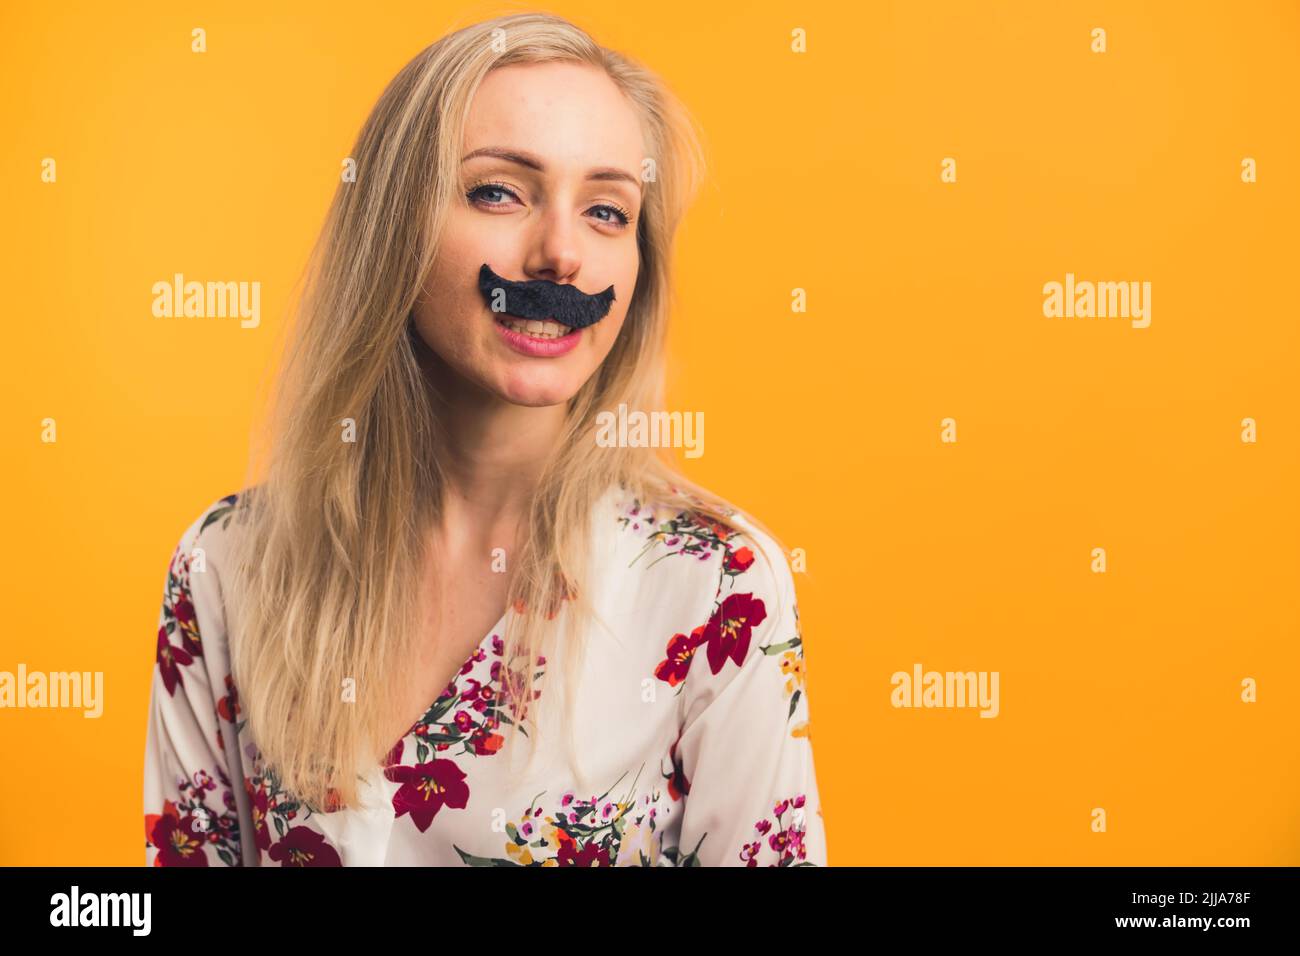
(333, 543)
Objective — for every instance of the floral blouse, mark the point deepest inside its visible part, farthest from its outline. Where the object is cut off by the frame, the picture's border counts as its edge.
(691, 727)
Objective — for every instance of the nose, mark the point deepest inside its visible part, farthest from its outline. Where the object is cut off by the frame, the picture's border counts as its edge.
(553, 254)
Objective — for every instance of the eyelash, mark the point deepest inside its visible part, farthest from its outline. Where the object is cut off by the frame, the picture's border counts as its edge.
(625, 217)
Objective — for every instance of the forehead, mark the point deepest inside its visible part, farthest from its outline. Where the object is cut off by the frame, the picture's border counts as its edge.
(570, 114)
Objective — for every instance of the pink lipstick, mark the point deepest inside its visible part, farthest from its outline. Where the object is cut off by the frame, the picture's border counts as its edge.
(534, 345)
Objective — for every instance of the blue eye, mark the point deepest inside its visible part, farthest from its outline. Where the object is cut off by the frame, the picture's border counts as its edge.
(622, 219)
(475, 194)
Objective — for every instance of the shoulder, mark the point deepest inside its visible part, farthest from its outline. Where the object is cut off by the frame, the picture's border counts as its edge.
(191, 643)
(217, 515)
(206, 539)
(749, 646)
(724, 574)
(193, 593)
(731, 542)
(756, 591)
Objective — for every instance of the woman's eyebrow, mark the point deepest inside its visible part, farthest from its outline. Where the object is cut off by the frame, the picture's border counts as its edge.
(525, 158)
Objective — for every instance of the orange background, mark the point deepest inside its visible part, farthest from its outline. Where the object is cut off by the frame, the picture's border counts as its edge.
(1118, 690)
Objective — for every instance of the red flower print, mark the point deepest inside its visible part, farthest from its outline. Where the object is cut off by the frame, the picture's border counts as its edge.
(177, 840)
(187, 826)
(484, 742)
(228, 706)
(303, 846)
(465, 716)
(681, 650)
(168, 659)
(720, 531)
(739, 560)
(286, 844)
(590, 855)
(728, 630)
(187, 622)
(427, 788)
(260, 808)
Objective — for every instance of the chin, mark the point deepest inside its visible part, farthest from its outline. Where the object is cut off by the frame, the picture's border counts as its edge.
(536, 394)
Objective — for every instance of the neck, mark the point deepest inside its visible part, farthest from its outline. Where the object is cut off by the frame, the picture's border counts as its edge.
(494, 455)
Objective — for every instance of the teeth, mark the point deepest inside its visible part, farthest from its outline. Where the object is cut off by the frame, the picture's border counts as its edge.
(537, 328)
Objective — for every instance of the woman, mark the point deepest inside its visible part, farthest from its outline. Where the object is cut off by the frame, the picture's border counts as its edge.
(337, 682)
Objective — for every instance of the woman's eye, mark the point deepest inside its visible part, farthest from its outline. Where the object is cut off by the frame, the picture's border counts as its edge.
(616, 216)
(490, 194)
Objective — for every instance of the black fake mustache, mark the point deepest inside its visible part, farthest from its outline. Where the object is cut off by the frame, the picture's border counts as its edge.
(540, 299)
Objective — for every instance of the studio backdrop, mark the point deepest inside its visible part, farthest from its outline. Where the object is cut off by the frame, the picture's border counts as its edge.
(987, 309)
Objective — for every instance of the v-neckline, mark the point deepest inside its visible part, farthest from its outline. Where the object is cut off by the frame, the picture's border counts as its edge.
(455, 681)
(612, 495)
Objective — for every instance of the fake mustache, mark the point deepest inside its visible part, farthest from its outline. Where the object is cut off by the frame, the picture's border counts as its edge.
(540, 299)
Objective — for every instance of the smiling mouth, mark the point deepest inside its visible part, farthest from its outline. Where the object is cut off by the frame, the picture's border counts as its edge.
(536, 328)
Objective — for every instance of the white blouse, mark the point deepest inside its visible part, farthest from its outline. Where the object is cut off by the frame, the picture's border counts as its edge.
(691, 727)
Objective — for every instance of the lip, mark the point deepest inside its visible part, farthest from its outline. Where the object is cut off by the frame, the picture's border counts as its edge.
(535, 347)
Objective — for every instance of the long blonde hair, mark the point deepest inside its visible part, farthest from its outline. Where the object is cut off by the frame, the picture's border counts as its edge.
(333, 545)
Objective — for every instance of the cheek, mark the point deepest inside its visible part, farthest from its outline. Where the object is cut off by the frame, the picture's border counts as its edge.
(444, 320)
(612, 330)
(450, 301)
(624, 283)
(450, 293)
(608, 329)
